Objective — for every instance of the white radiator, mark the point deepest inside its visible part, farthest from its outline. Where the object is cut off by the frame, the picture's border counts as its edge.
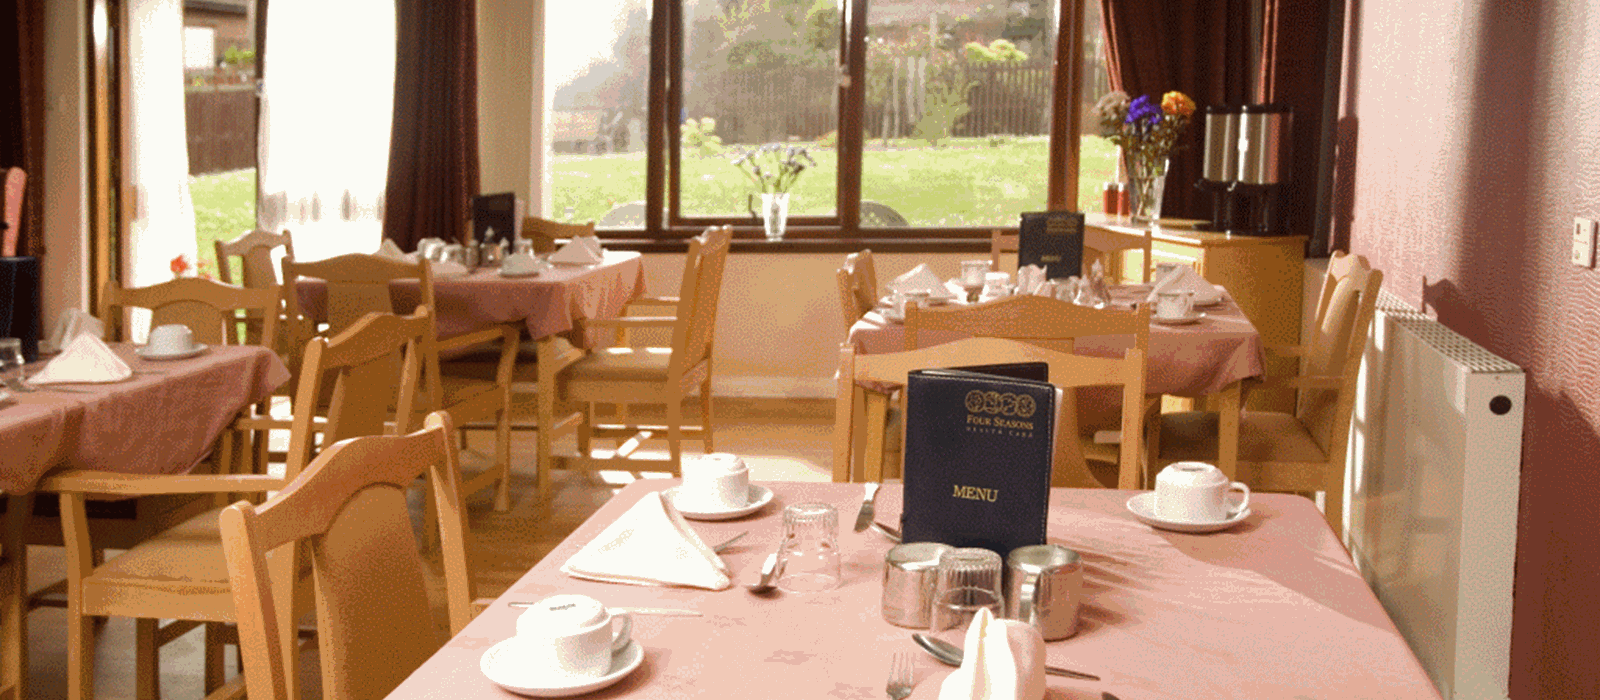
(1435, 466)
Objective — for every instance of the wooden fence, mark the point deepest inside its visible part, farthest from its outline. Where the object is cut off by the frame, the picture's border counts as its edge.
(222, 128)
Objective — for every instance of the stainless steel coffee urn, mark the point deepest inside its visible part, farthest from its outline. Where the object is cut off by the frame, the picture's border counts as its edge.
(1247, 166)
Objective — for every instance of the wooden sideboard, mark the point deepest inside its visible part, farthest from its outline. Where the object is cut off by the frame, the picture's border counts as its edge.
(1264, 274)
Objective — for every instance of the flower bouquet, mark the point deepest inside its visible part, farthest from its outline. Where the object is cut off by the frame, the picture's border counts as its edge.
(773, 169)
(1147, 133)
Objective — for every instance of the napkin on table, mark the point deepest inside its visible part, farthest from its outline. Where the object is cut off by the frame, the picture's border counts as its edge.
(1029, 278)
(650, 545)
(921, 279)
(390, 250)
(85, 359)
(578, 252)
(1003, 660)
(592, 243)
(445, 268)
(1184, 278)
(519, 264)
(70, 324)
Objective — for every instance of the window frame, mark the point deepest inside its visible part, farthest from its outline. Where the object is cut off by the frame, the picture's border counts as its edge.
(666, 225)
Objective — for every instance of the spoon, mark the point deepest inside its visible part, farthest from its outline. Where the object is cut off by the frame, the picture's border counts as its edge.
(768, 569)
(951, 654)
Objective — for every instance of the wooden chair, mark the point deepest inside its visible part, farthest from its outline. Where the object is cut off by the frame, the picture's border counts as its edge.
(858, 287)
(257, 271)
(890, 369)
(1056, 324)
(14, 599)
(1098, 244)
(1304, 450)
(375, 624)
(179, 574)
(544, 233)
(639, 375)
(205, 306)
(359, 284)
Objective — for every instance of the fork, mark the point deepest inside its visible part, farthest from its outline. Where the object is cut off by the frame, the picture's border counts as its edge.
(899, 686)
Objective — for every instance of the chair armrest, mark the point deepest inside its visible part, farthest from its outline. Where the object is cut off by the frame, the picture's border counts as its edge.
(1311, 381)
(627, 322)
(1285, 350)
(89, 481)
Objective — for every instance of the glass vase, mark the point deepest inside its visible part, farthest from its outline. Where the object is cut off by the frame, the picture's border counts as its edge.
(1147, 179)
(775, 214)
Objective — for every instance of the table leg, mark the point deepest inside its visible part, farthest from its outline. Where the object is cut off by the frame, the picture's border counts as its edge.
(14, 597)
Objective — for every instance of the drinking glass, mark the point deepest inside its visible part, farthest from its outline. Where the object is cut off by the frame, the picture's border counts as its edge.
(11, 362)
(973, 275)
(809, 556)
(968, 580)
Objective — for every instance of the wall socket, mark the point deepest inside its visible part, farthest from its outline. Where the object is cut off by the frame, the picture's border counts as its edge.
(1583, 235)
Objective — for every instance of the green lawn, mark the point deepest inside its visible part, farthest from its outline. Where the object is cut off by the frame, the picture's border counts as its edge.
(969, 182)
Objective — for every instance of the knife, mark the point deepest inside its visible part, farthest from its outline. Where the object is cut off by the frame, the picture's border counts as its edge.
(864, 518)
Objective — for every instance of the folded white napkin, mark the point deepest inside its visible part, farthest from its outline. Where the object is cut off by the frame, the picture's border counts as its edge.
(650, 545)
(1029, 277)
(921, 279)
(388, 249)
(445, 268)
(85, 359)
(578, 252)
(1184, 278)
(593, 243)
(70, 324)
(519, 264)
(1004, 660)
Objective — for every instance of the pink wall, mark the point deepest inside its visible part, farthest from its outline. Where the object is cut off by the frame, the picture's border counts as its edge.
(1469, 138)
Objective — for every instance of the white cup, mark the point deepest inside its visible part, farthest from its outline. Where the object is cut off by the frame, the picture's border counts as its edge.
(1196, 492)
(713, 482)
(996, 285)
(570, 636)
(170, 339)
(1174, 304)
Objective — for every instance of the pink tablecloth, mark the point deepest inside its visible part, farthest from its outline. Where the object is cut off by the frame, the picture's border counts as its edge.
(548, 304)
(1192, 360)
(164, 420)
(1272, 608)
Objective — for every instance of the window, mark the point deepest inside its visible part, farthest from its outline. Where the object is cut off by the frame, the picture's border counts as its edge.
(918, 118)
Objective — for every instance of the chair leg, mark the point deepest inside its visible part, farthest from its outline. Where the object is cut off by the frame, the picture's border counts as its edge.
(1333, 509)
(502, 457)
(216, 660)
(586, 431)
(14, 597)
(81, 628)
(705, 414)
(146, 660)
(80, 656)
(675, 435)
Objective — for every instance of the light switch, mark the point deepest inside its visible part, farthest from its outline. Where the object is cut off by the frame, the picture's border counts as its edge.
(1583, 234)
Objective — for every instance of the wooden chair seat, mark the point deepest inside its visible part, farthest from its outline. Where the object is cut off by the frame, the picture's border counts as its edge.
(1264, 436)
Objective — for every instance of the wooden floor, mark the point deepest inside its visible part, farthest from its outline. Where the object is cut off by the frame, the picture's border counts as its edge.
(781, 440)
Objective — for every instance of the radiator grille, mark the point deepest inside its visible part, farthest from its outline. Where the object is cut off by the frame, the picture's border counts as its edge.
(1447, 342)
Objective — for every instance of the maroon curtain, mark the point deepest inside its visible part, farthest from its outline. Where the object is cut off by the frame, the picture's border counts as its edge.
(433, 150)
(1199, 47)
(22, 107)
(1295, 72)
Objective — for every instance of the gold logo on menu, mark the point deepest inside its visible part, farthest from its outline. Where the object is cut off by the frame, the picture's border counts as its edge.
(998, 410)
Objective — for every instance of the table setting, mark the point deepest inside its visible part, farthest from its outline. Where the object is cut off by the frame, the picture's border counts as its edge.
(1106, 606)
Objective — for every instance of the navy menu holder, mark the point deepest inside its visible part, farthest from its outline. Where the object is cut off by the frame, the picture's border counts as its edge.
(19, 303)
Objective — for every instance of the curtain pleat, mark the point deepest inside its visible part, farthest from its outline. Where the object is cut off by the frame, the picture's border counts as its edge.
(433, 148)
(22, 107)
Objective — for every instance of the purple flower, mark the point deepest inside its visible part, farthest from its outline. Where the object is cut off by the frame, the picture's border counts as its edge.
(1144, 112)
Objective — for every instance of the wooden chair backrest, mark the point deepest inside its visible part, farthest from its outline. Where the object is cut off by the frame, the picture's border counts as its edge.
(370, 372)
(358, 284)
(1040, 320)
(254, 250)
(374, 621)
(1345, 308)
(544, 233)
(858, 287)
(698, 297)
(1001, 243)
(207, 307)
(1066, 371)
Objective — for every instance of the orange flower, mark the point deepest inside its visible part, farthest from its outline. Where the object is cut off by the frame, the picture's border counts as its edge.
(1177, 103)
(179, 265)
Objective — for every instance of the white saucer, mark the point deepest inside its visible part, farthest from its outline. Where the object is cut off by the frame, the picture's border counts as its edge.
(500, 666)
(1143, 507)
(1180, 321)
(519, 275)
(144, 352)
(759, 496)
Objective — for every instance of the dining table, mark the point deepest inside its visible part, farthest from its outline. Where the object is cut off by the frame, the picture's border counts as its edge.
(1270, 608)
(1196, 359)
(547, 304)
